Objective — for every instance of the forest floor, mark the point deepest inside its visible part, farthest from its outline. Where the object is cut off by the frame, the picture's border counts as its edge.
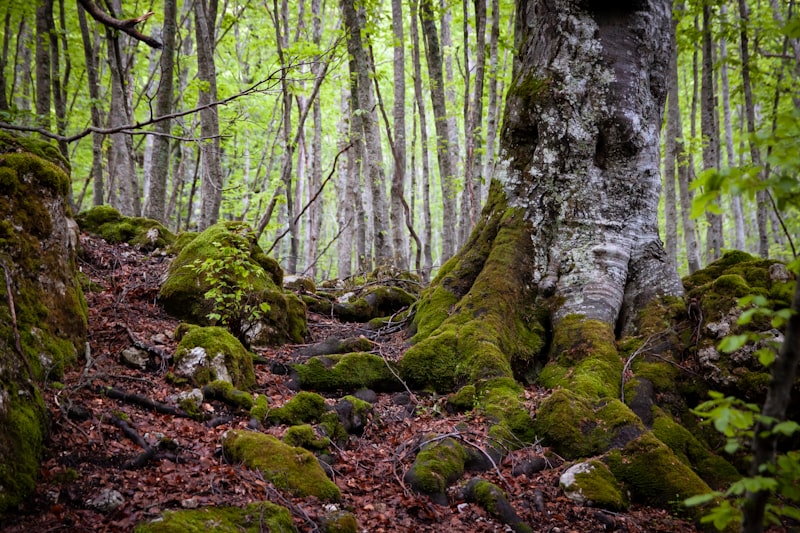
(369, 469)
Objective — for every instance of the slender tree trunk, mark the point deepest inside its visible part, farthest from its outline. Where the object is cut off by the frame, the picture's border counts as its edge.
(345, 206)
(21, 86)
(399, 237)
(59, 84)
(159, 171)
(4, 61)
(316, 210)
(211, 182)
(441, 122)
(670, 157)
(471, 203)
(494, 100)
(736, 203)
(419, 101)
(708, 121)
(355, 23)
(44, 18)
(755, 156)
(89, 55)
(121, 165)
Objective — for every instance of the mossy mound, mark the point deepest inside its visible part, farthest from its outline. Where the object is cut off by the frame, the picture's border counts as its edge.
(225, 391)
(717, 289)
(347, 372)
(206, 354)
(576, 426)
(375, 301)
(254, 518)
(304, 407)
(303, 436)
(106, 222)
(183, 293)
(340, 522)
(494, 501)
(293, 469)
(656, 476)
(592, 483)
(438, 464)
(38, 242)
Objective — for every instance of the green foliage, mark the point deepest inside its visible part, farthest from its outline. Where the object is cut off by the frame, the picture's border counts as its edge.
(736, 420)
(234, 306)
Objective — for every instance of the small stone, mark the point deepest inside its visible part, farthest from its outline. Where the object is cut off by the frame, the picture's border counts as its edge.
(190, 503)
(107, 501)
(135, 357)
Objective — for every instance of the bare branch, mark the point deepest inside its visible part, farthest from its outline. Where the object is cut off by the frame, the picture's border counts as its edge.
(126, 26)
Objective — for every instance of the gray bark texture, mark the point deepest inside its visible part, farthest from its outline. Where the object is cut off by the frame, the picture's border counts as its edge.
(580, 152)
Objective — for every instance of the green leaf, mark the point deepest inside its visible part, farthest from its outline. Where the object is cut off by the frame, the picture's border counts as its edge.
(765, 356)
(731, 343)
(700, 499)
(788, 427)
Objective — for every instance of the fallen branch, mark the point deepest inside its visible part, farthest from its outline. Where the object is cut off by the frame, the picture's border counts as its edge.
(12, 310)
(142, 401)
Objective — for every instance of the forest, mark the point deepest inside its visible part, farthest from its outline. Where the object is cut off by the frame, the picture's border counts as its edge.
(346, 149)
(548, 243)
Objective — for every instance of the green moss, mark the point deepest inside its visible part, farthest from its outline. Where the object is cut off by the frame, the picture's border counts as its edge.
(500, 399)
(463, 400)
(254, 518)
(662, 375)
(304, 407)
(289, 468)
(340, 522)
(225, 391)
(656, 476)
(183, 292)
(437, 465)
(492, 498)
(348, 372)
(190, 407)
(260, 408)
(181, 240)
(576, 426)
(303, 436)
(333, 428)
(106, 222)
(713, 469)
(42, 171)
(215, 340)
(599, 486)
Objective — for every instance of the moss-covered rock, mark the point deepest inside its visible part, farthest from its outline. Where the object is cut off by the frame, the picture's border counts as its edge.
(260, 408)
(38, 243)
(303, 436)
(183, 293)
(254, 518)
(655, 475)
(438, 464)
(106, 222)
(463, 399)
(494, 501)
(347, 372)
(225, 391)
(353, 414)
(340, 522)
(206, 354)
(293, 469)
(592, 483)
(304, 407)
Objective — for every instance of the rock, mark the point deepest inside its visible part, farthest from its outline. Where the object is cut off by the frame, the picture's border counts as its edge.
(136, 358)
(38, 253)
(107, 501)
(592, 483)
(106, 222)
(301, 284)
(529, 466)
(207, 354)
(353, 414)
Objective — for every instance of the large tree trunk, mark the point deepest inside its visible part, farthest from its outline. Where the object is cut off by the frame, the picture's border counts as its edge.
(580, 151)
(566, 253)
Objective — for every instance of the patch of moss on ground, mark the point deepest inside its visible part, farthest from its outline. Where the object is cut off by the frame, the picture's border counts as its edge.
(348, 372)
(223, 390)
(254, 518)
(215, 340)
(293, 469)
(260, 408)
(655, 475)
(304, 407)
(340, 522)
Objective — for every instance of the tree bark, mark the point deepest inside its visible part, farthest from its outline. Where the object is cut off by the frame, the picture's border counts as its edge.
(755, 155)
(44, 18)
(709, 127)
(211, 182)
(582, 157)
(399, 238)
(345, 210)
(159, 171)
(355, 23)
(444, 150)
(4, 61)
(494, 100)
(97, 119)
